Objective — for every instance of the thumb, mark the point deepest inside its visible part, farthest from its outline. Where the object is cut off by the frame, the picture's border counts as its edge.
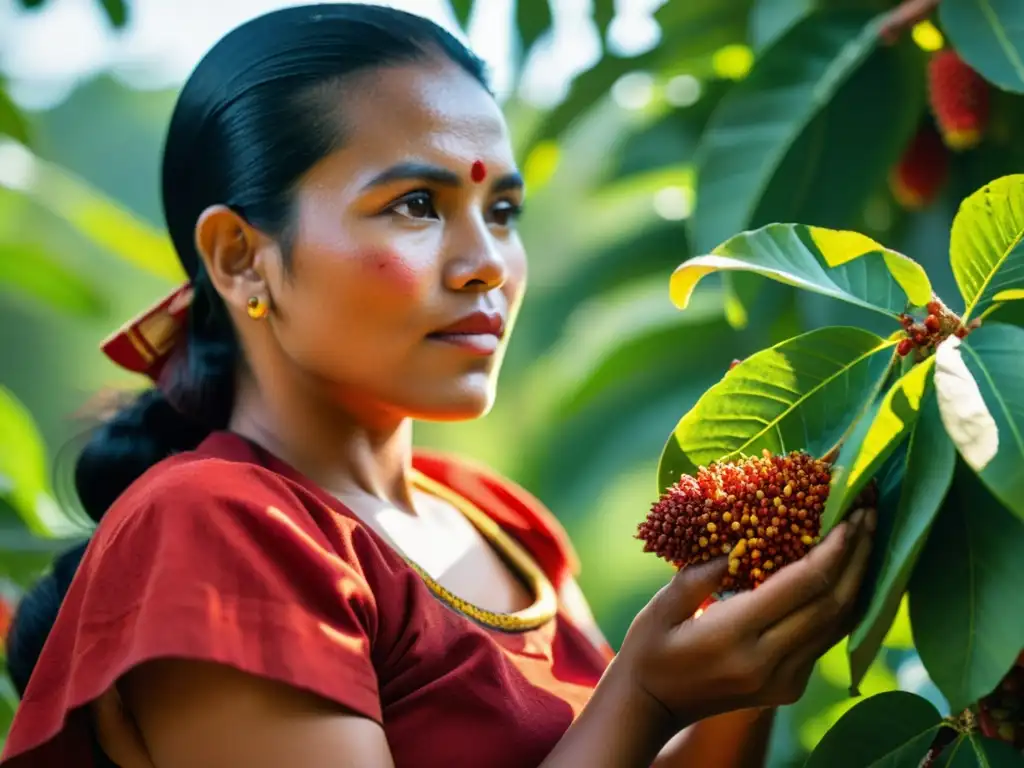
(691, 586)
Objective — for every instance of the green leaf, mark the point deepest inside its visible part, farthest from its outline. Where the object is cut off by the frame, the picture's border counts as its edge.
(99, 218)
(23, 468)
(462, 9)
(604, 12)
(533, 19)
(927, 471)
(980, 384)
(12, 122)
(801, 394)
(868, 448)
(976, 751)
(986, 251)
(30, 271)
(771, 19)
(967, 575)
(847, 266)
(758, 120)
(690, 33)
(117, 12)
(889, 730)
(989, 35)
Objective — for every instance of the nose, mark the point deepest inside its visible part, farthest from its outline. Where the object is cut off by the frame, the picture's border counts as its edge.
(477, 264)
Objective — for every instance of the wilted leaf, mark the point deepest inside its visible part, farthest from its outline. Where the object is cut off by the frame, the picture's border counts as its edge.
(980, 383)
(847, 266)
(967, 575)
(889, 730)
(801, 394)
(986, 248)
(868, 447)
(989, 35)
(927, 472)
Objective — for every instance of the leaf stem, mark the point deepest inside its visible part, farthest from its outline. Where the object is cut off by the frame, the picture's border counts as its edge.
(906, 14)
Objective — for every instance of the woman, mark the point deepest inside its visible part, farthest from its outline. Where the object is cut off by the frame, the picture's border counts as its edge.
(276, 578)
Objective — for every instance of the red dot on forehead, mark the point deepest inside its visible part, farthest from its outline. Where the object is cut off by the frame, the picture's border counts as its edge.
(478, 172)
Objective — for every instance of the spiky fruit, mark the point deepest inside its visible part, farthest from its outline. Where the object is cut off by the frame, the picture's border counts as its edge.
(959, 99)
(921, 172)
(763, 512)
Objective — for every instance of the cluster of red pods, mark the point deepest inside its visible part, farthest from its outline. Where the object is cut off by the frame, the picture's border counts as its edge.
(937, 325)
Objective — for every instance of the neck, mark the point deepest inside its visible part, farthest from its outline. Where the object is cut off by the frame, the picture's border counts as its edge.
(345, 454)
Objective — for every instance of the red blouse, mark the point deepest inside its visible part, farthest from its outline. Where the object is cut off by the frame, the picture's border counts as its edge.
(228, 555)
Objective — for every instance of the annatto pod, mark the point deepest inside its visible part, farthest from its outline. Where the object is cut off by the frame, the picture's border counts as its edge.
(959, 99)
(762, 512)
(918, 177)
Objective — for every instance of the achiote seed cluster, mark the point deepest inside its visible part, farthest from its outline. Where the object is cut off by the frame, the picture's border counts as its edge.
(763, 512)
(1001, 713)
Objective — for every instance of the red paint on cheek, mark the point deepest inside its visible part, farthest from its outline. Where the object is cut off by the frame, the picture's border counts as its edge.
(395, 269)
(478, 172)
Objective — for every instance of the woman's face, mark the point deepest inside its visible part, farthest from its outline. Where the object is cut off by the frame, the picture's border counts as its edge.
(407, 269)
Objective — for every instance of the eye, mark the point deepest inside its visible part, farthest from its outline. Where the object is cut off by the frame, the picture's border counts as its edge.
(416, 205)
(505, 212)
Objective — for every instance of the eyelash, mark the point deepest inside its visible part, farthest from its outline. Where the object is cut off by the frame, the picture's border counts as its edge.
(513, 209)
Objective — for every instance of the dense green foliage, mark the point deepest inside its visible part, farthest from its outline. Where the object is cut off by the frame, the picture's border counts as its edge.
(753, 112)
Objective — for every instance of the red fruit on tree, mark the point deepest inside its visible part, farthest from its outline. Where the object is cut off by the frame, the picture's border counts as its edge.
(921, 172)
(959, 99)
(932, 323)
(904, 347)
(934, 308)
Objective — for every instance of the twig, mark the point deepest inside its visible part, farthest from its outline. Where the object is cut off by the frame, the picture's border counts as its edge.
(906, 14)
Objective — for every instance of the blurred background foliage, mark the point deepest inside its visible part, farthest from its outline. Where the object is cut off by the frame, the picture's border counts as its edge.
(743, 112)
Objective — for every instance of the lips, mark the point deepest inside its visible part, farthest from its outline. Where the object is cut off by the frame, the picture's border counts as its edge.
(478, 334)
(476, 324)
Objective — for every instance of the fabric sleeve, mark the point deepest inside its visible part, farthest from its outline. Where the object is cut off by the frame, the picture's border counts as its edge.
(217, 561)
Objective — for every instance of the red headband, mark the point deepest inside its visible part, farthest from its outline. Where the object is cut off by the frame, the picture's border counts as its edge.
(145, 343)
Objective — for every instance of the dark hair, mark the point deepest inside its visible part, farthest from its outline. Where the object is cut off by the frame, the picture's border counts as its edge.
(248, 124)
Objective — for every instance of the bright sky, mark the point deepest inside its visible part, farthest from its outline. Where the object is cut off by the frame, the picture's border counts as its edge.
(45, 53)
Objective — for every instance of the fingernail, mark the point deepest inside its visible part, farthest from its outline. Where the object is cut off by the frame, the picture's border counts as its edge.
(856, 517)
(871, 520)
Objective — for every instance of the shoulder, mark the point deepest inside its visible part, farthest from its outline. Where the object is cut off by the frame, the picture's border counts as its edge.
(515, 509)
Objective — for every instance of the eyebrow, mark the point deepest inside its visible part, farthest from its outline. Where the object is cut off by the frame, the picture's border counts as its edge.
(442, 176)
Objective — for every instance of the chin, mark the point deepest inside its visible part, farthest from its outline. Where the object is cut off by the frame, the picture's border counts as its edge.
(463, 402)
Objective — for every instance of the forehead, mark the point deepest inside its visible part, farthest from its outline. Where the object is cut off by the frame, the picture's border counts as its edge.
(431, 111)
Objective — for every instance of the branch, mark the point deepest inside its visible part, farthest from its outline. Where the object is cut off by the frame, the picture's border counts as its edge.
(906, 14)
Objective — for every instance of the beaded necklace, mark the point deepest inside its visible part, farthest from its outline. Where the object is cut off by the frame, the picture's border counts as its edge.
(545, 604)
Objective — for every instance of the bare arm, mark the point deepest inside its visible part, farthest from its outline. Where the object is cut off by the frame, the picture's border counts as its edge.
(734, 740)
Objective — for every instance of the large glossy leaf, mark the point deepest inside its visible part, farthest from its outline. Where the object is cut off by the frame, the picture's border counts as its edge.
(889, 730)
(771, 19)
(802, 394)
(969, 573)
(33, 273)
(94, 215)
(847, 266)
(976, 751)
(874, 441)
(758, 120)
(986, 248)
(989, 35)
(691, 32)
(116, 11)
(980, 383)
(927, 471)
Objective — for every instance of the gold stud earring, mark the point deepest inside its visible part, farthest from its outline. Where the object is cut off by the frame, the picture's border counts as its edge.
(257, 308)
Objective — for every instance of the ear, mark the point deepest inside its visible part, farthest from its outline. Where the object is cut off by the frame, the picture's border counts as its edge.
(232, 251)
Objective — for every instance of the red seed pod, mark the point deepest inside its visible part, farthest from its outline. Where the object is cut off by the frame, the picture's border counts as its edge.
(904, 347)
(959, 99)
(932, 323)
(921, 172)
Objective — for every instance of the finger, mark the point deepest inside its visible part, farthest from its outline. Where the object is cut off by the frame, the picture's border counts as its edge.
(818, 625)
(798, 583)
(690, 587)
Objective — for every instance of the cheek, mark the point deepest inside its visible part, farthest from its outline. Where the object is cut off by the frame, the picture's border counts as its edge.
(393, 271)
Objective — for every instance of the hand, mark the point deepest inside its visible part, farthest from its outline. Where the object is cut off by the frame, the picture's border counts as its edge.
(756, 649)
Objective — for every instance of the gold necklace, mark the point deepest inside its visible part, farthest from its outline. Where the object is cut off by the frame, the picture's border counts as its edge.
(545, 604)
